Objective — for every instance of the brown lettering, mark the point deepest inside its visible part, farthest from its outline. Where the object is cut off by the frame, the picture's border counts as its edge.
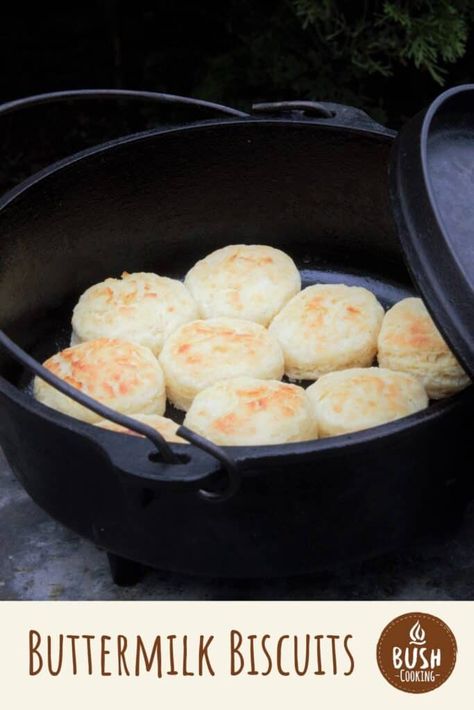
(279, 652)
(253, 670)
(234, 651)
(185, 657)
(88, 639)
(34, 644)
(103, 653)
(73, 652)
(173, 670)
(306, 657)
(320, 670)
(333, 651)
(203, 654)
(351, 657)
(121, 648)
(267, 654)
(148, 660)
(57, 670)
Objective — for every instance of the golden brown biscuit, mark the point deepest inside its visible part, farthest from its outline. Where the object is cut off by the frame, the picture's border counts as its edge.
(203, 352)
(141, 308)
(359, 398)
(123, 376)
(249, 412)
(247, 281)
(166, 427)
(410, 342)
(328, 327)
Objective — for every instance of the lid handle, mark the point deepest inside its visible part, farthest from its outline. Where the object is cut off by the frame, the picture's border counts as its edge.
(312, 108)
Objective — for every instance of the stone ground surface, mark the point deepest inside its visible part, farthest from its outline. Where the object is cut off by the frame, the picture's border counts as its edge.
(39, 559)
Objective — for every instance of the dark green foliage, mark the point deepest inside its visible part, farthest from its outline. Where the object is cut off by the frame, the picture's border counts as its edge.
(352, 52)
(389, 57)
(426, 33)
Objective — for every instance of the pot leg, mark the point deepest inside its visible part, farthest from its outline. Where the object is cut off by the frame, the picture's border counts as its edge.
(125, 573)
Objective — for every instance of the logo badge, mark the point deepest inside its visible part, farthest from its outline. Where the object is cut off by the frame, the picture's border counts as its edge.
(416, 652)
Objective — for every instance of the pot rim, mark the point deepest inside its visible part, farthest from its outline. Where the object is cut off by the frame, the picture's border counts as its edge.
(327, 124)
(269, 453)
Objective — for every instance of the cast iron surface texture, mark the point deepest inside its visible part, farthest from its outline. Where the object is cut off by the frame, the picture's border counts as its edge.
(159, 202)
(433, 201)
(40, 559)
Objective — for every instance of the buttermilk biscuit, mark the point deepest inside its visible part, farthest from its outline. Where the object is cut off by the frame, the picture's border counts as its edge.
(248, 411)
(410, 342)
(141, 308)
(123, 376)
(166, 427)
(351, 400)
(252, 282)
(203, 352)
(328, 327)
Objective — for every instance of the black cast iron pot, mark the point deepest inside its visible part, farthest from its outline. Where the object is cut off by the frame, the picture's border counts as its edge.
(309, 179)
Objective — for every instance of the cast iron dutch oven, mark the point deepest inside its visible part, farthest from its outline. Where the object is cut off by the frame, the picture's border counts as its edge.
(311, 179)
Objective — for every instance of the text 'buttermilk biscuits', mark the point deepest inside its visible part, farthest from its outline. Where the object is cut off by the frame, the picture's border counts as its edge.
(123, 376)
(252, 282)
(359, 398)
(142, 308)
(248, 411)
(328, 327)
(166, 427)
(203, 352)
(410, 342)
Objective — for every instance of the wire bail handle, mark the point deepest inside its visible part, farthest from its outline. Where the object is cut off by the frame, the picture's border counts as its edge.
(166, 453)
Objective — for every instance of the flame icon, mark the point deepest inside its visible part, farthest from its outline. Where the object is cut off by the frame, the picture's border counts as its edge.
(417, 635)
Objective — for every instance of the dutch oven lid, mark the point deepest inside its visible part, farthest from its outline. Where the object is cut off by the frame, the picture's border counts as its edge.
(432, 192)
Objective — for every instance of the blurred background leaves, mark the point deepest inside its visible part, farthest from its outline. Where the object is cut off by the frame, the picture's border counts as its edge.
(389, 57)
(362, 53)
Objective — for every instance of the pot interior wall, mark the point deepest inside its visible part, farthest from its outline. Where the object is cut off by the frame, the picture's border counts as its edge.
(161, 202)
